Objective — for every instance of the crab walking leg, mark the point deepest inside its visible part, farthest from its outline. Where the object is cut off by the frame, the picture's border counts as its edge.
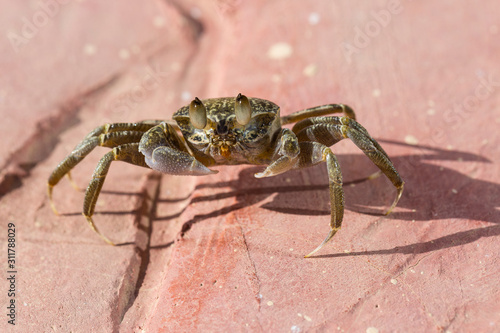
(329, 130)
(318, 111)
(126, 128)
(312, 153)
(110, 140)
(141, 126)
(99, 131)
(127, 153)
(107, 135)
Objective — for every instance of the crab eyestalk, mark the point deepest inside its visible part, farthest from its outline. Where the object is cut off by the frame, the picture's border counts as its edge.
(198, 114)
(242, 109)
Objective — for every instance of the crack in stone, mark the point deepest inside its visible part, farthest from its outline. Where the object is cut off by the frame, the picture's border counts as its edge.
(258, 296)
(152, 187)
(197, 27)
(38, 146)
(130, 288)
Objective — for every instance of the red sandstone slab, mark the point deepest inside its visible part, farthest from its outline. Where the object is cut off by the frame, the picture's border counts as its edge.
(429, 266)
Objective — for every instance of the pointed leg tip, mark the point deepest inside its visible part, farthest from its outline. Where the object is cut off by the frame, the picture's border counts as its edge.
(262, 174)
(52, 205)
(104, 238)
(394, 204)
(107, 240)
(392, 207)
(316, 249)
(94, 228)
(54, 210)
(310, 254)
(327, 239)
(388, 211)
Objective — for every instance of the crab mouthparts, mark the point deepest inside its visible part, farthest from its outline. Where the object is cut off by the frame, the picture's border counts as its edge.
(224, 151)
(223, 142)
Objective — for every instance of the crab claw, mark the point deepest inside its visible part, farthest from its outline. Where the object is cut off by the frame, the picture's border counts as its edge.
(176, 162)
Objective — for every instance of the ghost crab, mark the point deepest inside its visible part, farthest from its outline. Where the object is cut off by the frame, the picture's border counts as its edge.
(229, 131)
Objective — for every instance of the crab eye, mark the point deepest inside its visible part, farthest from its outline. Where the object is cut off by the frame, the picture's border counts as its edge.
(242, 109)
(198, 114)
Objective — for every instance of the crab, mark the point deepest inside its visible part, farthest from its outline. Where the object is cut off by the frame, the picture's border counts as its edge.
(231, 131)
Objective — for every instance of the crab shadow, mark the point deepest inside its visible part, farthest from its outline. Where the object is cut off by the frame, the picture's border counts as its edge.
(432, 192)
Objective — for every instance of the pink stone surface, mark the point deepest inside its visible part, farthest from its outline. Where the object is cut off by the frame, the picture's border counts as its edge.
(424, 79)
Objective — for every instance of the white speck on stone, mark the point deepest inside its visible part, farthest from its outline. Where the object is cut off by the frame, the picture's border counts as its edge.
(454, 191)
(411, 140)
(376, 92)
(175, 66)
(270, 303)
(124, 54)
(431, 111)
(259, 296)
(295, 329)
(89, 49)
(195, 12)
(159, 21)
(313, 18)
(276, 78)
(291, 249)
(394, 281)
(136, 49)
(310, 70)
(280, 51)
(372, 330)
(299, 314)
(307, 318)
(186, 96)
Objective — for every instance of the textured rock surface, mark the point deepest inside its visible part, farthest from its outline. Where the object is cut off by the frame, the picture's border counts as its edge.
(423, 78)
